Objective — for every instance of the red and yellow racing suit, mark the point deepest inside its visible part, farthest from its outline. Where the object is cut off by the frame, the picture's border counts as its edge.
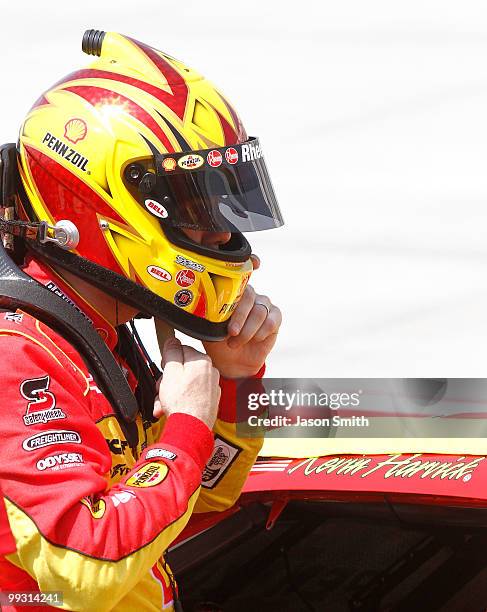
(91, 515)
(7, 542)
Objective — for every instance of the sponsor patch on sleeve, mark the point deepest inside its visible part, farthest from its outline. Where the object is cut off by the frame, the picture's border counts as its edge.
(160, 453)
(224, 454)
(16, 317)
(41, 404)
(148, 475)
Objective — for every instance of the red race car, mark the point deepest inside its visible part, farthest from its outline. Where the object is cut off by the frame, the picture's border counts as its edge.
(340, 532)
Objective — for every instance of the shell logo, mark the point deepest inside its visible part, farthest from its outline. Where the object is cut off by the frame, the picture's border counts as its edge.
(75, 130)
(169, 163)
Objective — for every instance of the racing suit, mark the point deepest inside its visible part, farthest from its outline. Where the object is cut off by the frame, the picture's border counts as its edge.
(7, 543)
(91, 515)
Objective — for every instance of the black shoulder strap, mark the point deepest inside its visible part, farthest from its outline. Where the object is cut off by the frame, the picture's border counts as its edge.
(18, 290)
(128, 348)
(8, 186)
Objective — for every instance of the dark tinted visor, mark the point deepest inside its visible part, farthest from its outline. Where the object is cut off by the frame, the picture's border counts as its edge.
(217, 190)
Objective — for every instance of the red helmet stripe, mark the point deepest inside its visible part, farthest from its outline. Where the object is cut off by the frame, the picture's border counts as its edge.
(228, 131)
(170, 100)
(68, 197)
(240, 130)
(200, 309)
(99, 95)
(178, 100)
(40, 102)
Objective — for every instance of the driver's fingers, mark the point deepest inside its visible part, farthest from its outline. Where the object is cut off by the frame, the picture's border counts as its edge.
(172, 351)
(242, 311)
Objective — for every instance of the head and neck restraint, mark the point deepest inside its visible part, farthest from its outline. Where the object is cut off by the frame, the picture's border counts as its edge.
(18, 290)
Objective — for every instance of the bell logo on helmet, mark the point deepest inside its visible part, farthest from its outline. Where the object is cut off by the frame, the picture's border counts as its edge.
(75, 130)
(159, 273)
(231, 155)
(190, 162)
(156, 209)
(214, 158)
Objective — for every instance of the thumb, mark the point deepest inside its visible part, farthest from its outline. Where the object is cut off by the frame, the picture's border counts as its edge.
(255, 261)
(172, 351)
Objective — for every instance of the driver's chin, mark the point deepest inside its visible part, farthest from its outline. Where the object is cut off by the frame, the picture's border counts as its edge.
(212, 240)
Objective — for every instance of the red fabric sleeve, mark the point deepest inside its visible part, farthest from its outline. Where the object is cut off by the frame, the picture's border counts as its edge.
(56, 471)
(7, 542)
(228, 401)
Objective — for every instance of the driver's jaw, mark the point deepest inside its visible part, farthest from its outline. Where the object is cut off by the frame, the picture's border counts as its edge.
(212, 240)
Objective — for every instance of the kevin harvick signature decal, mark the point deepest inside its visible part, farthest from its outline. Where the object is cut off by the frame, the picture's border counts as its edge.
(395, 466)
(342, 471)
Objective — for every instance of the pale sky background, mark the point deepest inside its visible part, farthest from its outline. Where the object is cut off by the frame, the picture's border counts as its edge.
(373, 118)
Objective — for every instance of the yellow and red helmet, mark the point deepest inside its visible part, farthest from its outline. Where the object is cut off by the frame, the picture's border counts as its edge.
(126, 155)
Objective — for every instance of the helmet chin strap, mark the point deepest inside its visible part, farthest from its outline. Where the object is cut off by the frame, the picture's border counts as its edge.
(163, 332)
(64, 234)
(130, 293)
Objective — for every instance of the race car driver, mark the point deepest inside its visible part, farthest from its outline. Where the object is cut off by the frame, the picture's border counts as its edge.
(137, 180)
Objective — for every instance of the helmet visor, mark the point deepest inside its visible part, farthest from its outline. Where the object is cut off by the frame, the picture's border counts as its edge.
(217, 190)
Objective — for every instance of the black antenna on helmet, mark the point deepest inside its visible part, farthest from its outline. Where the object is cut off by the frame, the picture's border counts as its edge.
(92, 42)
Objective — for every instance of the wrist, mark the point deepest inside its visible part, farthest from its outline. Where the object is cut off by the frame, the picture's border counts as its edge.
(189, 434)
(227, 410)
(238, 371)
